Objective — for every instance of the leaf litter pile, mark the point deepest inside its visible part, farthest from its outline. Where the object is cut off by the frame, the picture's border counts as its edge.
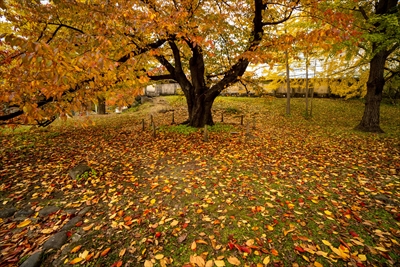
(289, 192)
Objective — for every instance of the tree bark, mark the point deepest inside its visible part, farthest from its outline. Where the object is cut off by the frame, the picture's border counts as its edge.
(371, 118)
(101, 102)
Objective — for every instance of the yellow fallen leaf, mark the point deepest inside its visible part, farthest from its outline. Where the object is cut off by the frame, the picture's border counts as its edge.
(47, 231)
(317, 264)
(84, 254)
(340, 253)
(362, 257)
(266, 260)
(76, 249)
(209, 263)
(193, 246)
(306, 258)
(326, 242)
(152, 201)
(159, 256)
(234, 261)
(87, 228)
(198, 261)
(219, 263)
(148, 263)
(174, 223)
(122, 252)
(75, 261)
(327, 212)
(381, 249)
(269, 227)
(24, 223)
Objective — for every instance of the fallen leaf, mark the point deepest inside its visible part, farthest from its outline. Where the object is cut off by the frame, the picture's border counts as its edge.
(75, 261)
(266, 260)
(76, 249)
(87, 228)
(159, 256)
(234, 261)
(122, 252)
(104, 252)
(317, 264)
(24, 223)
(148, 263)
(219, 263)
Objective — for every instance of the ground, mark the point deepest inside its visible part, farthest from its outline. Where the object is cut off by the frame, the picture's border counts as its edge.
(278, 190)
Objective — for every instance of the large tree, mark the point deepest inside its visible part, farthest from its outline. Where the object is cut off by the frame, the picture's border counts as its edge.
(70, 51)
(382, 36)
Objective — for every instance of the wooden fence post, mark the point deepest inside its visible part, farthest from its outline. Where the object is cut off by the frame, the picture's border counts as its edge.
(154, 130)
(205, 133)
(241, 120)
(142, 125)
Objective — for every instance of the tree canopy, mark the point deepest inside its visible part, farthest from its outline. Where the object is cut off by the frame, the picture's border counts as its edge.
(64, 53)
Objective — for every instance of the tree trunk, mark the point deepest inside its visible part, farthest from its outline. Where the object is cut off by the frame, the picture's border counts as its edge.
(200, 111)
(376, 81)
(288, 90)
(101, 109)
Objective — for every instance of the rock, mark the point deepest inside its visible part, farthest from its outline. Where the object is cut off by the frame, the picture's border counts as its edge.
(71, 223)
(26, 212)
(79, 170)
(48, 210)
(75, 237)
(5, 213)
(56, 241)
(34, 260)
(84, 211)
(382, 198)
(70, 211)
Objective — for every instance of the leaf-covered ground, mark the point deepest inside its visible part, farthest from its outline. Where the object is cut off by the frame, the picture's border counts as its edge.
(275, 191)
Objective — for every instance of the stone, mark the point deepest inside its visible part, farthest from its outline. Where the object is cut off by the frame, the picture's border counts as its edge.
(48, 210)
(71, 223)
(75, 237)
(84, 211)
(34, 260)
(78, 170)
(56, 241)
(26, 212)
(5, 213)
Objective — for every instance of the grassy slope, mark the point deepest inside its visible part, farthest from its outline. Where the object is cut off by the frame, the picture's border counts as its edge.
(295, 191)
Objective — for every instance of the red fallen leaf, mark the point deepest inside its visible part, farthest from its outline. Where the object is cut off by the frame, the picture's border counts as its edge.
(78, 223)
(117, 264)
(69, 233)
(397, 217)
(357, 218)
(157, 235)
(231, 245)
(185, 225)
(354, 234)
(245, 249)
(299, 249)
(360, 264)
(128, 218)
